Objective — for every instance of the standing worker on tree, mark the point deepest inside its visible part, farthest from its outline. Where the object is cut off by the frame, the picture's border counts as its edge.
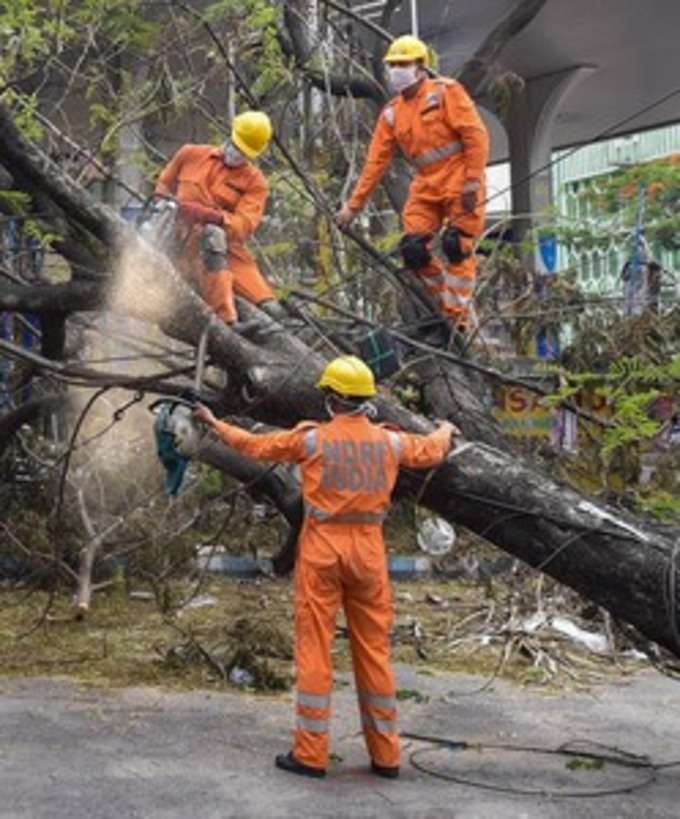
(221, 199)
(349, 466)
(436, 125)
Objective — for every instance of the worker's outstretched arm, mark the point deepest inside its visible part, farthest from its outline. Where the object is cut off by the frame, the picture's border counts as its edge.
(421, 451)
(380, 153)
(286, 446)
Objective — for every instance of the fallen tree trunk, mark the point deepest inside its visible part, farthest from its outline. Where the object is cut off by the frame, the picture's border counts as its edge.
(276, 484)
(621, 563)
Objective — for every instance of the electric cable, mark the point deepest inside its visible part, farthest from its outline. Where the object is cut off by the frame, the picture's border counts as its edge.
(589, 756)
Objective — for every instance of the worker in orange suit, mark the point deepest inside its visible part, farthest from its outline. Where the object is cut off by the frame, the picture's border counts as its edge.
(438, 129)
(349, 466)
(222, 197)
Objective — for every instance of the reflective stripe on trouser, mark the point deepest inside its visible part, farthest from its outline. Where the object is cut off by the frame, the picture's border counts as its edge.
(329, 572)
(452, 287)
(379, 723)
(313, 712)
(458, 291)
(369, 622)
(316, 607)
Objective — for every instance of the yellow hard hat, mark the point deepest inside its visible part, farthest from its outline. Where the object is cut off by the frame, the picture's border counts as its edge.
(251, 132)
(349, 376)
(406, 48)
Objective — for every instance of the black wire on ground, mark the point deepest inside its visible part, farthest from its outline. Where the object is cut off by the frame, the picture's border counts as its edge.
(607, 755)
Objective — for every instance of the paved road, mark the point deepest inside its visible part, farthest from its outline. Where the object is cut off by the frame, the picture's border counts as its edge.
(145, 753)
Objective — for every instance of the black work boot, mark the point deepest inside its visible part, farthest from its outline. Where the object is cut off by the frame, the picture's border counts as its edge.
(385, 772)
(458, 340)
(287, 762)
(247, 329)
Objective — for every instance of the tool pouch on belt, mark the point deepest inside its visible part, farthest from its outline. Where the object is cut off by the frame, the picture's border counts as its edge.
(456, 244)
(214, 248)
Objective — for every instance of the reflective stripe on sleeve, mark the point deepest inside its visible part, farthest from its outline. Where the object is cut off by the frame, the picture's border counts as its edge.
(395, 443)
(310, 442)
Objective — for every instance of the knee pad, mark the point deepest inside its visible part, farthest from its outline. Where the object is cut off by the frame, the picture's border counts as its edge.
(414, 250)
(214, 248)
(453, 241)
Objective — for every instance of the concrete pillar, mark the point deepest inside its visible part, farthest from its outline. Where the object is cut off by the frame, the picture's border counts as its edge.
(529, 125)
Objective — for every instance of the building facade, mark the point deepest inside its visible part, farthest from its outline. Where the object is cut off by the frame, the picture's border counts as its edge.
(599, 268)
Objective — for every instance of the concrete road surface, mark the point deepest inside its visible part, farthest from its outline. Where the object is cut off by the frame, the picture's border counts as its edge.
(68, 752)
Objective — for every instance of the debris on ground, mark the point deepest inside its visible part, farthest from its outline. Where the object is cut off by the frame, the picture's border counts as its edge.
(512, 625)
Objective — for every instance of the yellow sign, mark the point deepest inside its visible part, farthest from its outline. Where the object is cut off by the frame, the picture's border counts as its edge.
(520, 413)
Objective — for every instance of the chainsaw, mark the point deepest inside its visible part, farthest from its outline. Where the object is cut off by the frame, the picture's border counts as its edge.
(157, 223)
(178, 437)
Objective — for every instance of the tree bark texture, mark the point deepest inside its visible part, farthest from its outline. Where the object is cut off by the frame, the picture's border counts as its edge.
(479, 71)
(277, 484)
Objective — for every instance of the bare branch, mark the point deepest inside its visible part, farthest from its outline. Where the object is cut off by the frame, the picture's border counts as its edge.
(477, 72)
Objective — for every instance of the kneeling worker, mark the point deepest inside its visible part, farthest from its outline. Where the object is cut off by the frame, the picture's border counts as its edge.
(349, 467)
(222, 197)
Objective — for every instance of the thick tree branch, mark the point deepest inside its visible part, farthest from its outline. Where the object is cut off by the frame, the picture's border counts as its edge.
(478, 72)
(36, 172)
(299, 46)
(274, 483)
(69, 297)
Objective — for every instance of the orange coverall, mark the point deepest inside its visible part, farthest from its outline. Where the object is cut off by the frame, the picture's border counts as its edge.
(349, 467)
(440, 132)
(197, 173)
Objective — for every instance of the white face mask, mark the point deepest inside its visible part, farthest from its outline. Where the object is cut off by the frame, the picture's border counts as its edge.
(232, 156)
(402, 76)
